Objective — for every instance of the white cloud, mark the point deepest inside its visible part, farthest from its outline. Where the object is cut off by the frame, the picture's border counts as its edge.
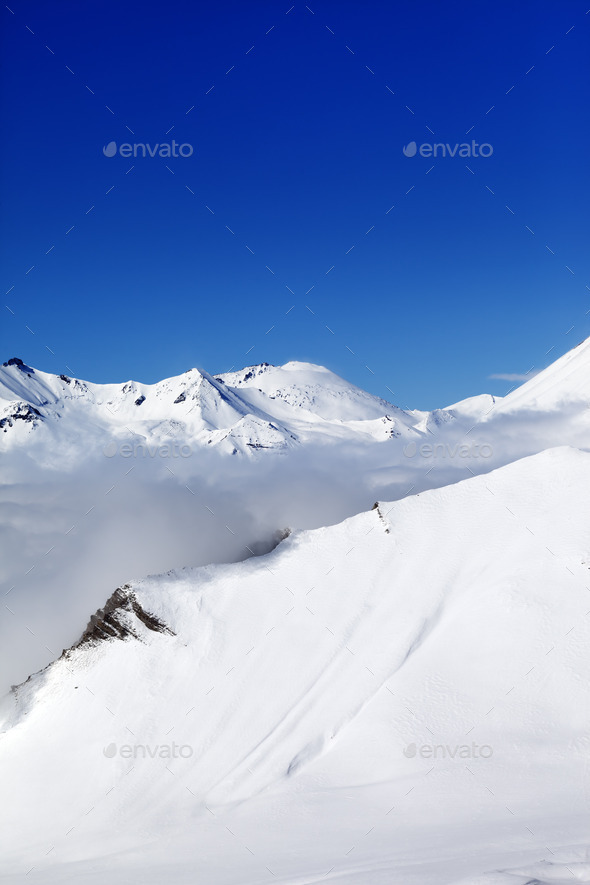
(513, 376)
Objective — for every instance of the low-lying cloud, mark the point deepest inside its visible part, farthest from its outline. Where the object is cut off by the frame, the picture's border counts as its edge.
(71, 536)
(69, 539)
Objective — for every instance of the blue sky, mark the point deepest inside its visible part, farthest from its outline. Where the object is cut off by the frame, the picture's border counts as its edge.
(297, 156)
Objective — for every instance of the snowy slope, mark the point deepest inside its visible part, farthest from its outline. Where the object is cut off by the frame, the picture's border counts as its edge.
(564, 383)
(291, 705)
(475, 406)
(312, 389)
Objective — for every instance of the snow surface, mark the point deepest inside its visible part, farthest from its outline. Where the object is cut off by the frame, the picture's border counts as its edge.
(565, 382)
(396, 696)
(310, 686)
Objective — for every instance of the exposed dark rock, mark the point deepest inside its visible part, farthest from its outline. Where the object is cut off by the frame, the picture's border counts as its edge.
(255, 370)
(381, 517)
(114, 621)
(16, 361)
(140, 400)
(23, 412)
(180, 398)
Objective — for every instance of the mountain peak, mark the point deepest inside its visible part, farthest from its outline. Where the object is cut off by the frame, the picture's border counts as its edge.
(16, 361)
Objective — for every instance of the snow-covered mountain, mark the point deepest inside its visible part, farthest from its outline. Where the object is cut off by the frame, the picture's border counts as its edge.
(268, 409)
(401, 698)
(261, 407)
(100, 483)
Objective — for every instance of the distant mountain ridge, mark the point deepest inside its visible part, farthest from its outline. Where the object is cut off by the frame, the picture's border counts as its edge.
(259, 407)
(266, 408)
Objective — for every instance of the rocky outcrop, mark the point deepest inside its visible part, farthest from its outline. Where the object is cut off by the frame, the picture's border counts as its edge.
(21, 412)
(118, 620)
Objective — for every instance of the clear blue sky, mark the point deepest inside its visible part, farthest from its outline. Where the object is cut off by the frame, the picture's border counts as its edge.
(298, 151)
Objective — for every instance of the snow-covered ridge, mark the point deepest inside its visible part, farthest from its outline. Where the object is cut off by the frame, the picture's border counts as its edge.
(565, 383)
(260, 407)
(294, 700)
(281, 409)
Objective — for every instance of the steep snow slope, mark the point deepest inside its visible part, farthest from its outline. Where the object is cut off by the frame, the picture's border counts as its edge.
(564, 383)
(400, 698)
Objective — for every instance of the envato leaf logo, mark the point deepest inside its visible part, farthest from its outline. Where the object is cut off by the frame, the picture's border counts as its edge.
(147, 450)
(148, 751)
(448, 450)
(440, 751)
(143, 149)
(473, 149)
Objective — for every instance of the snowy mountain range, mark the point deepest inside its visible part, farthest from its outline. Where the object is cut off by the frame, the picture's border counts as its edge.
(398, 697)
(261, 407)
(278, 408)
